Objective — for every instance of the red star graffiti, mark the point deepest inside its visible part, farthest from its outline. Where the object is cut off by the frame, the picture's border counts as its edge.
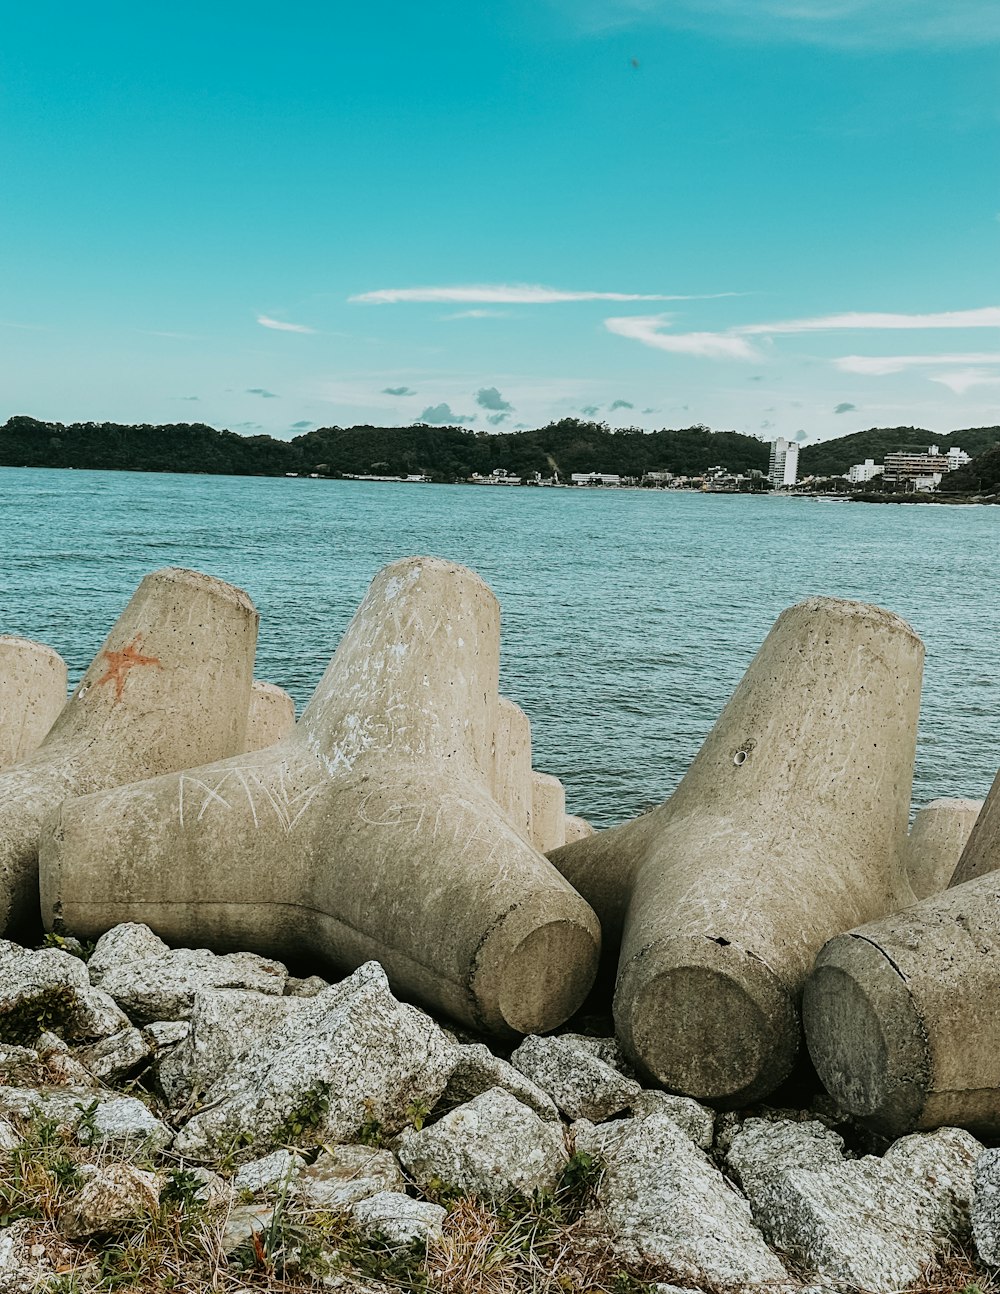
(120, 662)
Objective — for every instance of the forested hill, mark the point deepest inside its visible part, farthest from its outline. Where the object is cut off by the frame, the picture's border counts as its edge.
(835, 457)
(981, 476)
(444, 453)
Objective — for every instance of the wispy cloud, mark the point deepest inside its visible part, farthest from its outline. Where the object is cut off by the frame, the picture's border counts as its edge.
(259, 390)
(987, 317)
(478, 314)
(280, 325)
(488, 397)
(647, 329)
(9, 323)
(848, 24)
(961, 380)
(513, 294)
(884, 365)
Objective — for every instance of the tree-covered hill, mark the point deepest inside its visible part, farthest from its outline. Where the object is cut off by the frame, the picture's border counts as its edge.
(444, 453)
(981, 476)
(835, 457)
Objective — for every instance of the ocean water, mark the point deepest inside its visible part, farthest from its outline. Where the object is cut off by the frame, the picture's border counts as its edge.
(628, 616)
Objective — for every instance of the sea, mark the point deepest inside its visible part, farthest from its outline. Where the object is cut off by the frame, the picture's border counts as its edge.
(628, 615)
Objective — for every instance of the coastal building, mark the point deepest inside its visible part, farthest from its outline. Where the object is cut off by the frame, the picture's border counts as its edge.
(499, 476)
(783, 468)
(917, 471)
(595, 478)
(863, 472)
(957, 458)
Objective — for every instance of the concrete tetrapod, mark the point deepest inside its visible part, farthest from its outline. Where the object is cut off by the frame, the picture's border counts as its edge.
(902, 1015)
(982, 850)
(169, 688)
(370, 833)
(548, 812)
(32, 693)
(939, 833)
(271, 717)
(786, 829)
(512, 764)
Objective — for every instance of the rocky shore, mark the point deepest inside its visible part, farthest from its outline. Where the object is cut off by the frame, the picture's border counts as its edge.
(175, 1119)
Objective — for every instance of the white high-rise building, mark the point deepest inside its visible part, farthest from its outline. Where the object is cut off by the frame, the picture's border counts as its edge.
(783, 468)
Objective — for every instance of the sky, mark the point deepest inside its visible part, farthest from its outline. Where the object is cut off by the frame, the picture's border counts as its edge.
(775, 216)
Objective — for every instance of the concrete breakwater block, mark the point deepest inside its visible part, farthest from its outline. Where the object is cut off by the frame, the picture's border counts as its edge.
(271, 717)
(902, 1015)
(32, 693)
(169, 688)
(371, 832)
(548, 812)
(787, 829)
(939, 833)
(512, 786)
(982, 850)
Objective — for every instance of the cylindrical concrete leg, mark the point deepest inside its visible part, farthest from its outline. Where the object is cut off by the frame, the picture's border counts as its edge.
(982, 850)
(512, 764)
(576, 829)
(370, 833)
(548, 812)
(271, 717)
(169, 688)
(902, 1015)
(32, 693)
(938, 836)
(787, 829)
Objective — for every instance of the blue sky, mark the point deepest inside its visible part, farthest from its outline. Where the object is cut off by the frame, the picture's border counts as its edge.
(779, 216)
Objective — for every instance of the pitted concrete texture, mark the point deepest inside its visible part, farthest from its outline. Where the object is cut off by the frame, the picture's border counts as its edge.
(902, 1015)
(787, 829)
(169, 688)
(938, 835)
(512, 764)
(982, 850)
(370, 832)
(575, 828)
(32, 693)
(271, 717)
(548, 812)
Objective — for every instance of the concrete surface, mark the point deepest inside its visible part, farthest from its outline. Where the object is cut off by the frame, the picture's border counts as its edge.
(939, 833)
(32, 693)
(271, 717)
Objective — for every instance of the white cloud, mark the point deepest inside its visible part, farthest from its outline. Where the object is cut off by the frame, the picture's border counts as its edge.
(512, 294)
(849, 24)
(279, 325)
(964, 379)
(884, 365)
(707, 345)
(987, 317)
(478, 314)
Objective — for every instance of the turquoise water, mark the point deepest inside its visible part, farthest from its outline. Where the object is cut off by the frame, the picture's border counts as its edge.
(628, 616)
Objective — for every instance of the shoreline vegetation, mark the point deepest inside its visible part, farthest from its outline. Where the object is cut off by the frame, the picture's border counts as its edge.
(444, 454)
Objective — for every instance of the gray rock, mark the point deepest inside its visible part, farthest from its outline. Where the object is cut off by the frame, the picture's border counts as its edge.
(604, 1048)
(342, 1175)
(130, 942)
(163, 987)
(697, 1121)
(164, 1034)
(351, 1056)
(305, 987)
(582, 1085)
(490, 1147)
(243, 1222)
(477, 1070)
(212, 1189)
(98, 1016)
(876, 1224)
(119, 1122)
(226, 1026)
(665, 1204)
(398, 1220)
(112, 1058)
(22, 1269)
(39, 989)
(111, 1196)
(276, 1170)
(10, 1138)
(761, 1148)
(986, 1207)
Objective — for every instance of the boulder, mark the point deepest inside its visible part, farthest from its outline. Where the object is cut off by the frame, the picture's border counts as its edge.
(986, 1207)
(581, 1084)
(117, 1122)
(694, 1120)
(397, 1220)
(761, 1148)
(23, 1270)
(477, 1070)
(351, 1057)
(112, 1058)
(664, 1205)
(341, 1175)
(275, 1171)
(491, 1147)
(110, 1197)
